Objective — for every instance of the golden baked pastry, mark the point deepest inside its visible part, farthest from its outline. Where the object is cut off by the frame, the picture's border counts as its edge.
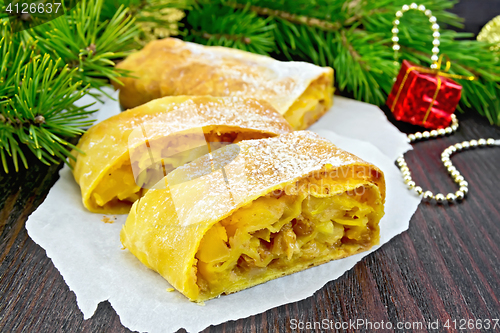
(300, 91)
(281, 205)
(128, 153)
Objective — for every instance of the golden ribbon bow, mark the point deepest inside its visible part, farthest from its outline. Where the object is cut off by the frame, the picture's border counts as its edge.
(436, 71)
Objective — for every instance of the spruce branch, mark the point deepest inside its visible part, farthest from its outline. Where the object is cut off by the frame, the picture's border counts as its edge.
(225, 26)
(46, 70)
(289, 17)
(36, 104)
(85, 43)
(154, 18)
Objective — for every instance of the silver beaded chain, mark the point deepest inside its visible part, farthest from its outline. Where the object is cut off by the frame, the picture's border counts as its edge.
(445, 158)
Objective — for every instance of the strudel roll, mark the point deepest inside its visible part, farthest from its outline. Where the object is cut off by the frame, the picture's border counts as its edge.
(281, 205)
(300, 91)
(127, 154)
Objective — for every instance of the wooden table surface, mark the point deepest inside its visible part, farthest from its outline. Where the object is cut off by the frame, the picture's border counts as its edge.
(445, 267)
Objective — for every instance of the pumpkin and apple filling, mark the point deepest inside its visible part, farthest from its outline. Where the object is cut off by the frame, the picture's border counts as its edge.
(254, 211)
(147, 164)
(312, 104)
(277, 235)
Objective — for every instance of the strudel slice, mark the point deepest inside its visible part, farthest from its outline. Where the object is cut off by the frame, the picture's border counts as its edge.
(300, 91)
(127, 154)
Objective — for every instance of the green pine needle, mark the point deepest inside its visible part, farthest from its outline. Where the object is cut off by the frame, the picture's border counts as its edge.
(225, 26)
(45, 70)
(40, 111)
(85, 43)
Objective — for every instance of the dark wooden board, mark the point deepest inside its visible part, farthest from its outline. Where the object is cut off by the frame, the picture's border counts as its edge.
(445, 267)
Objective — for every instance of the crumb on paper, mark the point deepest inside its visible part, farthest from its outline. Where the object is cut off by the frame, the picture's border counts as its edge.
(170, 289)
(200, 303)
(106, 219)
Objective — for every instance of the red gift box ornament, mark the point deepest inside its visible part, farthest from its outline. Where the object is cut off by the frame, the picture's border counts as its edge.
(424, 96)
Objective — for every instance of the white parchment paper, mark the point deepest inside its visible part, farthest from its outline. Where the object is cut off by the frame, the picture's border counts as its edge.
(89, 255)
(366, 122)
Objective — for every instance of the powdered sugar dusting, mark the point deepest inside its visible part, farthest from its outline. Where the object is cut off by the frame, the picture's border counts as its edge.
(279, 82)
(197, 112)
(111, 139)
(173, 67)
(260, 167)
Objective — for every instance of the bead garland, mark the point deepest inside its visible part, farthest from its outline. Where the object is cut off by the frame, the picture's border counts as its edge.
(435, 28)
(445, 158)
